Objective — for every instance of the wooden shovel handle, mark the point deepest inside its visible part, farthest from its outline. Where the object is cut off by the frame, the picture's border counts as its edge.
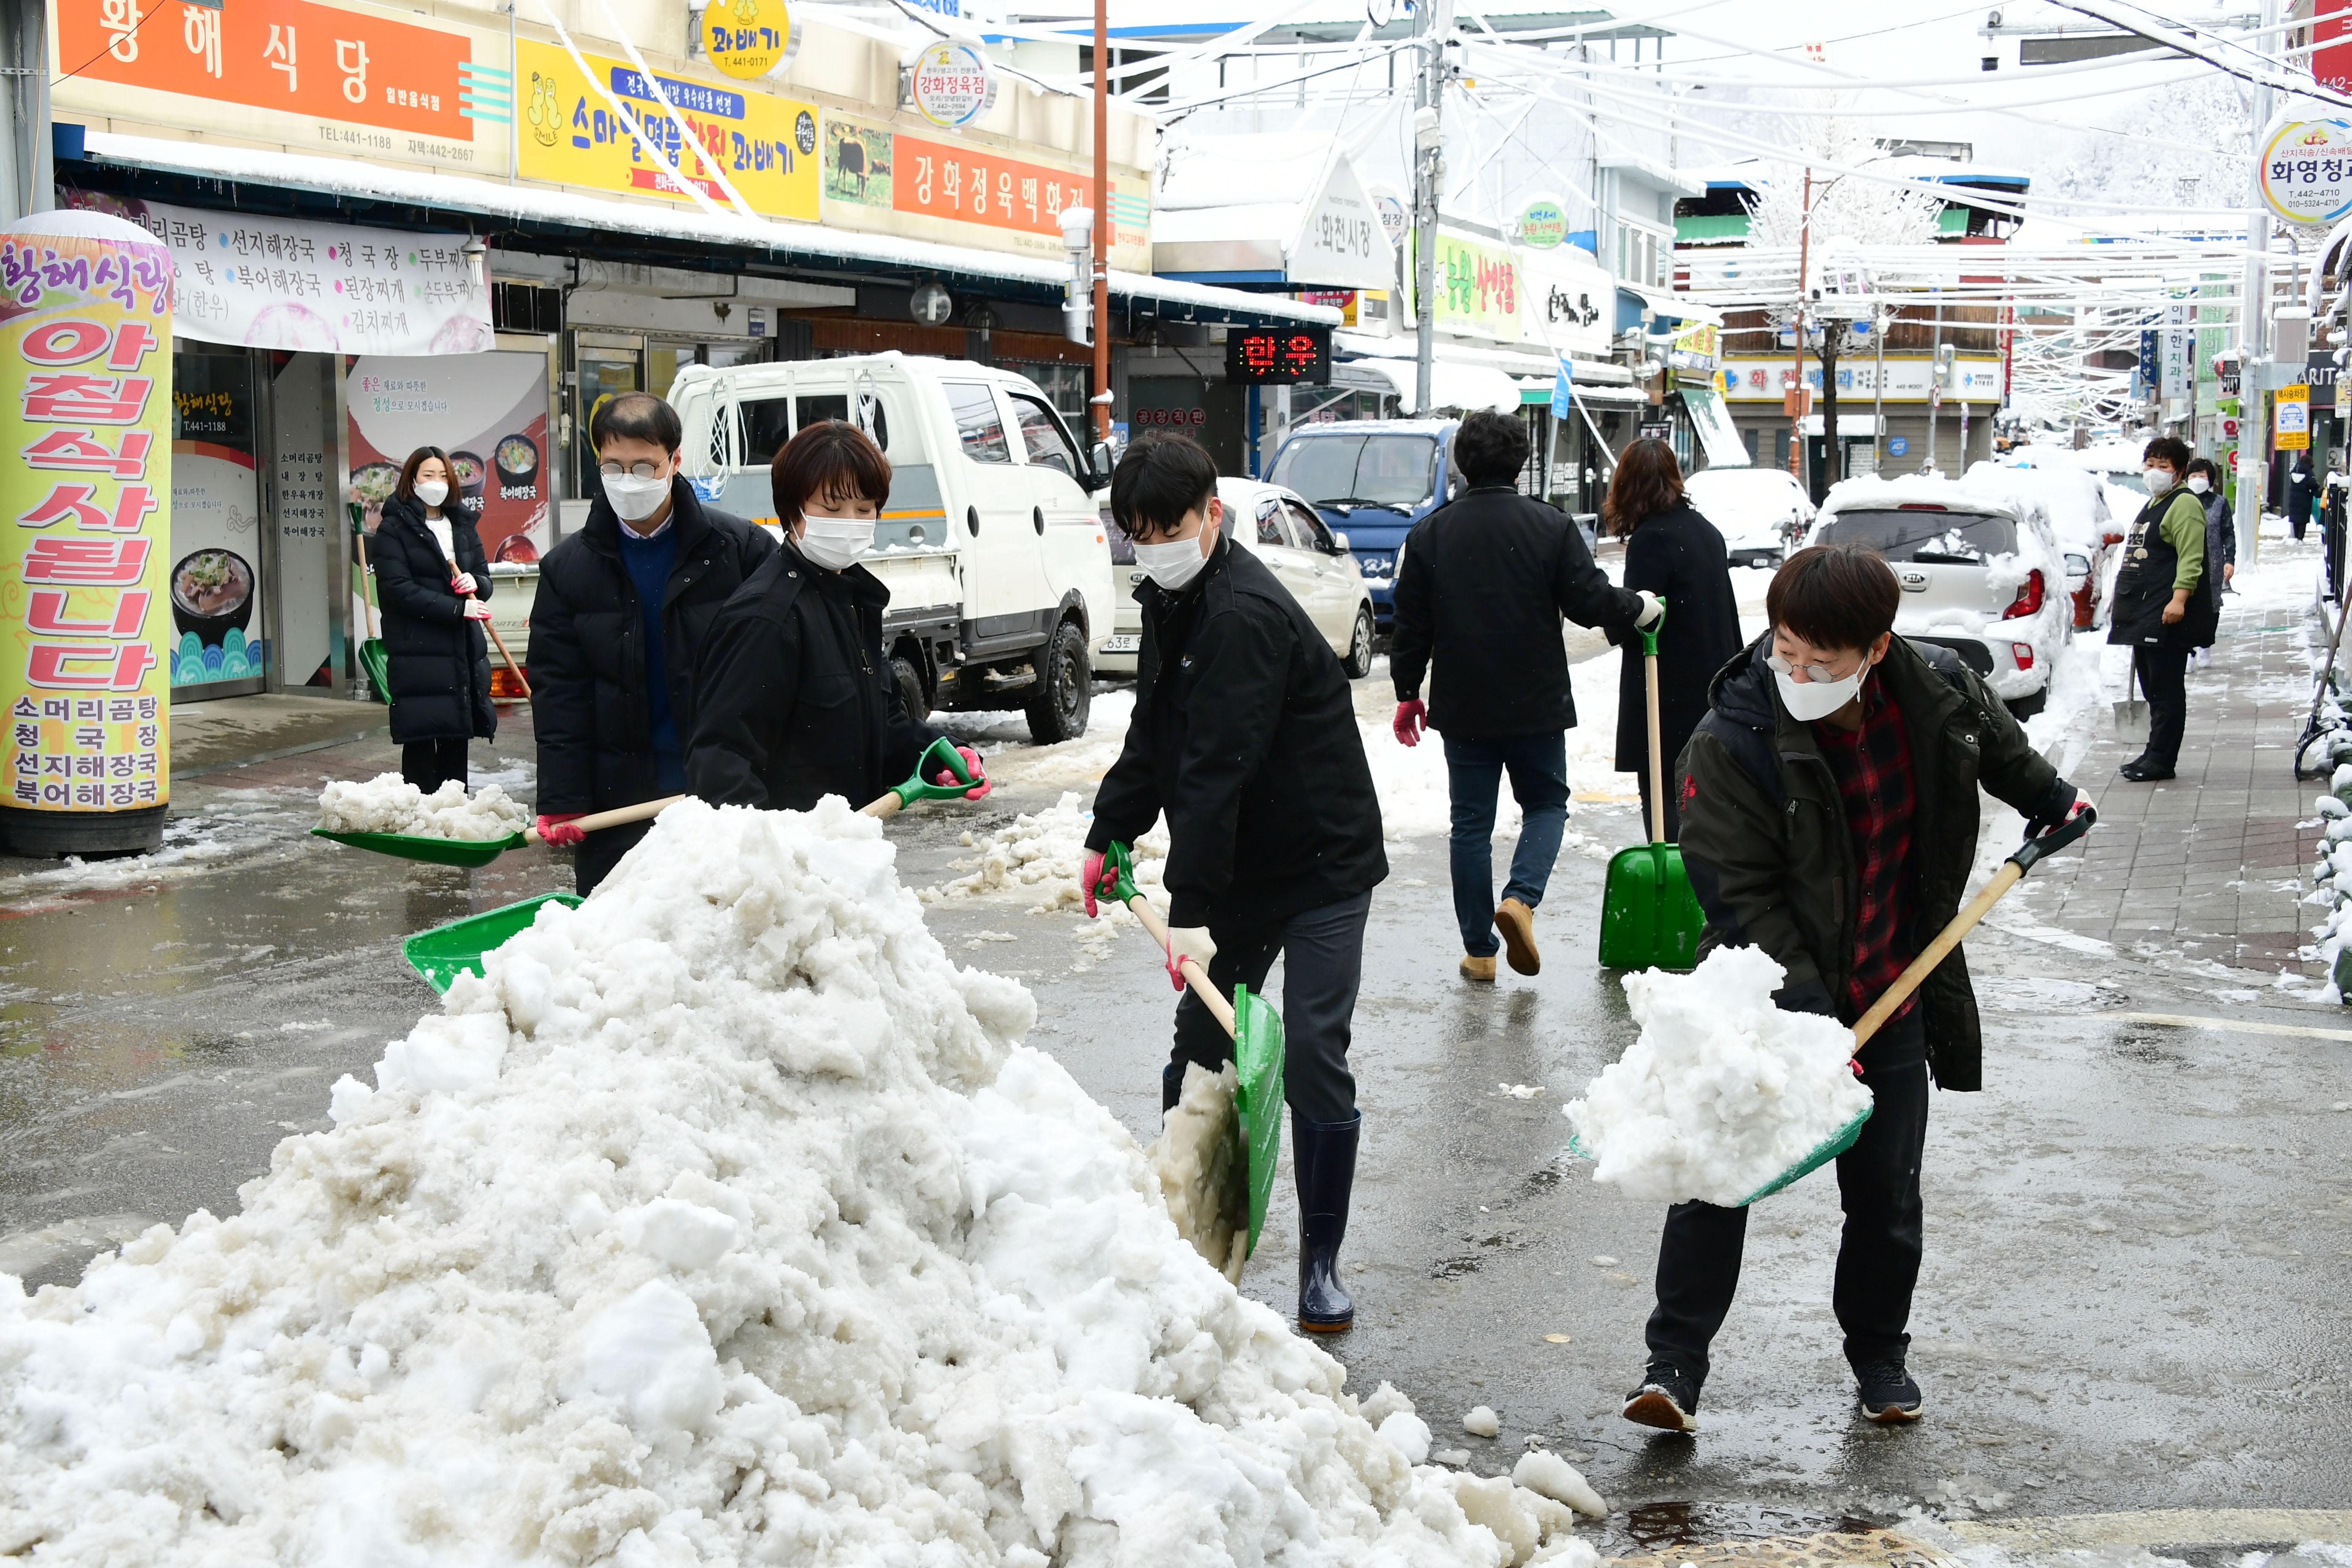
(640, 812)
(1194, 976)
(1657, 744)
(1946, 940)
(521, 679)
(888, 805)
(367, 581)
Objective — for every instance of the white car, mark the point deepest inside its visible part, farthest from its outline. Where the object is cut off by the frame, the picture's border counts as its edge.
(1981, 575)
(1757, 510)
(1281, 529)
(2090, 536)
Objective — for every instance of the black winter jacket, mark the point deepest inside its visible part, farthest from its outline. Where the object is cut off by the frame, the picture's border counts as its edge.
(587, 665)
(437, 661)
(1764, 834)
(1481, 587)
(1245, 733)
(798, 701)
(1678, 555)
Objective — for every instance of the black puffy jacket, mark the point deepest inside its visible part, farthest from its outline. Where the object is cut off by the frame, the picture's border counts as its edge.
(1678, 555)
(1244, 732)
(437, 662)
(587, 662)
(798, 701)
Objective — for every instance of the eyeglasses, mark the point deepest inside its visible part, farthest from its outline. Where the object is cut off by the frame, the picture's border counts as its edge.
(1811, 672)
(635, 471)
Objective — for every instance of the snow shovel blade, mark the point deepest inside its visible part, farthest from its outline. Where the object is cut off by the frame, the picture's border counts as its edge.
(1828, 1149)
(375, 662)
(1257, 1058)
(2131, 720)
(446, 952)
(1648, 917)
(420, 847)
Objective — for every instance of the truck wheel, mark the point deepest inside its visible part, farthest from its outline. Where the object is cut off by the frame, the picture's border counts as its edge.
(910, 687)
(1358, 662)
(1064, 691)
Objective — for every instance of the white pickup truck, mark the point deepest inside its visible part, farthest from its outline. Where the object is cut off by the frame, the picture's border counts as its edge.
(992, 545)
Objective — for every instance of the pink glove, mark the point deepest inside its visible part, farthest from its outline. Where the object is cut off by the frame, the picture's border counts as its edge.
(1411, 718)
(558, 829)
(971, 766)
(476, 611)
(461, 583)
(1098, 881)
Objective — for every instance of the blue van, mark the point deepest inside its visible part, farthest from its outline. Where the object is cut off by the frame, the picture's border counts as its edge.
(1371, 479)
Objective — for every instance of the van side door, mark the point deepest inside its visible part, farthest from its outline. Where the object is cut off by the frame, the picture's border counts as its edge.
(1074, 552)
(1002, 580)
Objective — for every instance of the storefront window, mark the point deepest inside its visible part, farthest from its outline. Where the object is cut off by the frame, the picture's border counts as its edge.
(220, 645)
(603, 374)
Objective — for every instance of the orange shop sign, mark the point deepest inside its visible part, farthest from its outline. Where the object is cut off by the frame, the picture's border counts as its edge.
(293, 55)
(940, 179)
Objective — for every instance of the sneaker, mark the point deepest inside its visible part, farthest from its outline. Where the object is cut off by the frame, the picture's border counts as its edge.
(1667, 1399)
(1476, 968)
(1517, 924)
(1888, 1395)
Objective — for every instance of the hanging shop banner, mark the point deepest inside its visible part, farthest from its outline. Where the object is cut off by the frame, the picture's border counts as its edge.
(952, 85)
(746, 39)
(324, 288)
(218, 612)
(1543, 223)
(766, 144)
(331, 79)
(2291, 418)
(1909, 379)
(87, 347)
(2306, 172)
(489, 412)
(1477, 287)
(1695, 349)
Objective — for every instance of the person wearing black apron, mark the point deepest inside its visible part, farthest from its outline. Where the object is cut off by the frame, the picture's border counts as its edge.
(2165, 604)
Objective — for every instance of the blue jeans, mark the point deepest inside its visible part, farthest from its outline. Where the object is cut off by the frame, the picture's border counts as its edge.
(1539, 769)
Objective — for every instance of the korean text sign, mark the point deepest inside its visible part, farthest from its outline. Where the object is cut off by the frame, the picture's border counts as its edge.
(766, 144)
(1477, 287)
(84, 660)
(975, 184)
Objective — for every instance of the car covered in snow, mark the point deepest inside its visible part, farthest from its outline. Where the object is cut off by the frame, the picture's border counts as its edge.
(1279, 528)
(1758, 511)
(1980, 573)
(2090, 535)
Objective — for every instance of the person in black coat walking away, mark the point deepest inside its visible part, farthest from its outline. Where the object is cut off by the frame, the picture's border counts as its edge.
(432, 580)
(1481, 587)
(2204, 482)
(2164, 604)
(624, 607)
(1674, 551)
(1244, 734)
(798, 699)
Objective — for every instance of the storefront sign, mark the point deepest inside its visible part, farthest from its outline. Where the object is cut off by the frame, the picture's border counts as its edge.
(1394, 215)
(1340, 299)
(219, 599)
(2291, 418)
(1571, 301)
(952, 85)
(325, 288)
(745, 39)
(1909, 379)
(2305, 172)
(1477, 287)
(86, 345)
(1695, 349)
(1340, 241)
(766, 144)
(1543, 223)
(1278, 356)
(489, 412)
(404, 89)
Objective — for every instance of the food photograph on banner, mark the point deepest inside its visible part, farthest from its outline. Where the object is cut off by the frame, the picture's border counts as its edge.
(489, 412)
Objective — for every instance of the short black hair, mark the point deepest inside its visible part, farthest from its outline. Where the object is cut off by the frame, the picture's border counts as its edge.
(1490, 449)
(2202, 466)
(1159, 478)
(2170, 450)
(830, 459)
(1834, 596)
(636, 416)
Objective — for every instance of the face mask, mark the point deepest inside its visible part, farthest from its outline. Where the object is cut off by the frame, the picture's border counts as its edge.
(1811, 700)
(432, 492)
(2157, 480)
(1172, 565)
(833, 543)
(2198, 484)
(635, 499)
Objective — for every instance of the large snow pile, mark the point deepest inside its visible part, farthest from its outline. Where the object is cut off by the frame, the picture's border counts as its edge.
(390, 804)
(1723, 1092)
(722, 1220)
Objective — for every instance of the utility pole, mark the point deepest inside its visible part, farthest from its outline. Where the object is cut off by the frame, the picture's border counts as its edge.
(1878, 325)
(1106, 227)
(2253, 402)
(1797, 394)
(1935, 389)
(1433, 21)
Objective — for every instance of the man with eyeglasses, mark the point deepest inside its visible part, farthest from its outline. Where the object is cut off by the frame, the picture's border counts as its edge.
(1828, 817)
(617, 630)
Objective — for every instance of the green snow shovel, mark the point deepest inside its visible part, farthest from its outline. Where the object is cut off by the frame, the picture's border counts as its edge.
(1648, 919)
(482, 851)
(446, 952)
(372, 659)
(1256, 1030)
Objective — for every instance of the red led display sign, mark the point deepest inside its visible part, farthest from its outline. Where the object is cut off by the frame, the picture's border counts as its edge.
(1278, 355)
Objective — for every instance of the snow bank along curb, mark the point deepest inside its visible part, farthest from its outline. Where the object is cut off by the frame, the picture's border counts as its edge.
(1723, 1092)
(722, 1220)
(390, 804)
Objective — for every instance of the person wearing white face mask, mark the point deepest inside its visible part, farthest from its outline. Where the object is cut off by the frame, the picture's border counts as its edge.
(800, 700)
(1245, 736)
(624, 610)
(431, 581)
(1830, 809)
(2165, 604)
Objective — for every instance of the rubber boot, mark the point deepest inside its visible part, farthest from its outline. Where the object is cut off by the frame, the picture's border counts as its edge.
(1323, 1157)
(1171, 1087)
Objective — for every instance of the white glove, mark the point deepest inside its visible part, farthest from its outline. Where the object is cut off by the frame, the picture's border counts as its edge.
(1650, 610)
(1188, 942)
(463, 582)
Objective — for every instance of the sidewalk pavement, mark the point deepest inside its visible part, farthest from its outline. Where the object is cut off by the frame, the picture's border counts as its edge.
(230, 730)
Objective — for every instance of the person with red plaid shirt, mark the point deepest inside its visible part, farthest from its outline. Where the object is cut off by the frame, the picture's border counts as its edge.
(1829, 815)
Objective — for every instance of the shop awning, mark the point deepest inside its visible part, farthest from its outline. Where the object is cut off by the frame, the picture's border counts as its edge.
(1712, 420)
(1462, 386)
(1610, 396)
(1268, 212)
(199, 172)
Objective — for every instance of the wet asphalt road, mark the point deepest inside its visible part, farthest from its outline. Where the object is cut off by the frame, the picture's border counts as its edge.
(2139, 1237)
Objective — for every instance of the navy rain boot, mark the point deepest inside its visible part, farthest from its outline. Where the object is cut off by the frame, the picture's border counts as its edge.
(1323, 1157)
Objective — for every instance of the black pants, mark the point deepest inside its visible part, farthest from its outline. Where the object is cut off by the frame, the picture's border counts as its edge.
(1323, 956)
(1878, 1257)
(600, 852)
(428, 764)
(2163, 675)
